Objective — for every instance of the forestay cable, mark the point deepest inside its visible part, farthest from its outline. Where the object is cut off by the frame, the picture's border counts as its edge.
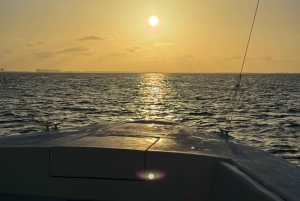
(235, 95)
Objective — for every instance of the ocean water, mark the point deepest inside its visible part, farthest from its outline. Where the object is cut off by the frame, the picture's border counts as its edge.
(268, 114)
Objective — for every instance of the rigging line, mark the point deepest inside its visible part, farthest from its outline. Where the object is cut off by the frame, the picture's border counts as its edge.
(237, 88)
(249, 38)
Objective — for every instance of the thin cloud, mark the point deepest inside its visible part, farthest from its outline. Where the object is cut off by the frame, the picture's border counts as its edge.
(44, 55)
(267, 58)
(113, 55)
(183, 57)
(30, 45)
(39, 42)
(35, 43)
(7, 51)
(93, 37)
(49, 54)
(160, 44)
(73, 49)
(137, 48)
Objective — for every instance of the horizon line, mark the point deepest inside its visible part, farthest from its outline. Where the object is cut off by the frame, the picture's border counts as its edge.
(149, 72)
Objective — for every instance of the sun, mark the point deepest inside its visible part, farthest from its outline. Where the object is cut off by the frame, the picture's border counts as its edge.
(153, 20)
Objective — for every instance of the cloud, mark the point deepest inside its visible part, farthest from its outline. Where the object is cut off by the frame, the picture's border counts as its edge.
(93, 37)
(44, 55)
(267, 58)
(233, 57)
(35, 43)
(49, 54)
(29, 45)
(137, 48)
(7, 51)
(160, 44)
(39, 42)
(113, 55)
(73, 49)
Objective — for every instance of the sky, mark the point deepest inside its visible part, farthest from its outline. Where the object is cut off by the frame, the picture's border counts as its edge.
(192, 36)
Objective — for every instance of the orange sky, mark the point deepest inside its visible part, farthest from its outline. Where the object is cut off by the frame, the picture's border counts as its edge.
(111, 35)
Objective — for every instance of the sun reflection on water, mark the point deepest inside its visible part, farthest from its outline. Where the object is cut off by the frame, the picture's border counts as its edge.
(152, 95)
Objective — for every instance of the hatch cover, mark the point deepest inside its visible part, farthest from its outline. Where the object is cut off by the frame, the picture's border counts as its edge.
(110, 157)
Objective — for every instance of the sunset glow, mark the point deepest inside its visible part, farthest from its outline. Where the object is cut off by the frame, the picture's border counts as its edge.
(149, 36)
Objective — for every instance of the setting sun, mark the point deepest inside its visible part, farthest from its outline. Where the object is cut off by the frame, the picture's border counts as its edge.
(153, 21)
(152, 36)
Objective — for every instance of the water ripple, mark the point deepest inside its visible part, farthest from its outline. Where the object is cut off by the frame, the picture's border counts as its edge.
(267, 117)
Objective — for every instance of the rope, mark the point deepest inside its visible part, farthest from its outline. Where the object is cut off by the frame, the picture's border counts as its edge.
(235, 99)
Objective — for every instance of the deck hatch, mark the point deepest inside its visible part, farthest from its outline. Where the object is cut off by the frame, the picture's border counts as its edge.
(110, 157)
